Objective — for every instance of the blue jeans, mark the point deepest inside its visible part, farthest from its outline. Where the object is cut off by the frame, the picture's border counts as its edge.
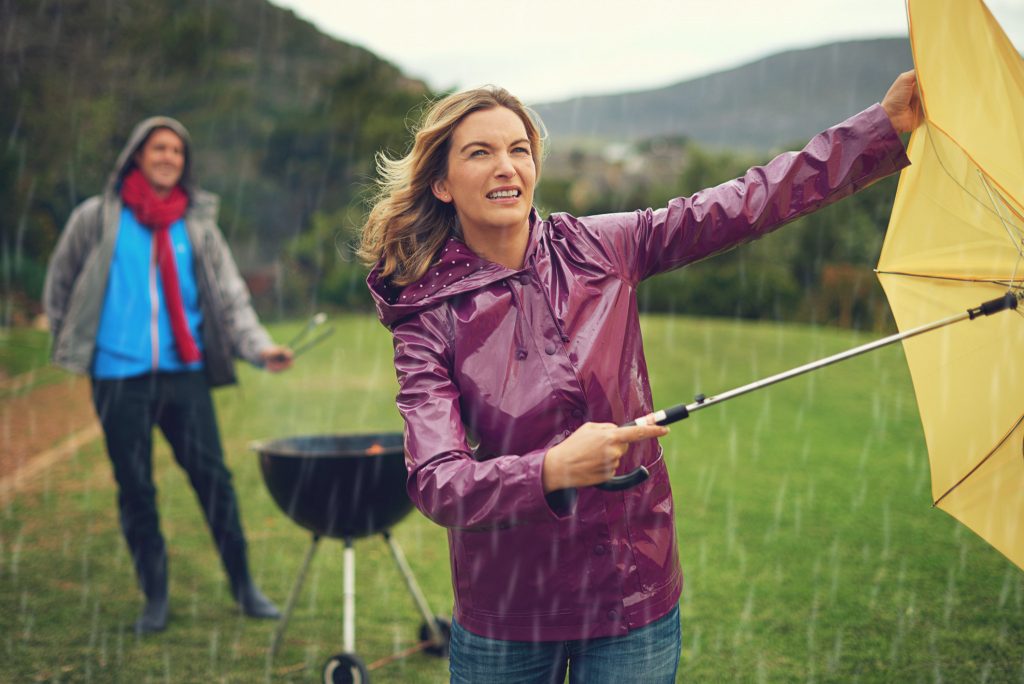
(649, 655)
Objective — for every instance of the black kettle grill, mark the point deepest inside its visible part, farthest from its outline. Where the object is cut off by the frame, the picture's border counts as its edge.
(345, 487)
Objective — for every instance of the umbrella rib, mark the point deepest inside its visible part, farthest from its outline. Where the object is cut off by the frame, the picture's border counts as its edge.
(1002, 191)
(1016, 240)
(987, 183)
(959, 279)
(980, 463)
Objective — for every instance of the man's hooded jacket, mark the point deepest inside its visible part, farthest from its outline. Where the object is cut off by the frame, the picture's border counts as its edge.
(76, 281)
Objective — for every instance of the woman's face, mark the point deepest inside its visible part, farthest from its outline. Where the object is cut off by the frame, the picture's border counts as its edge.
(491, 173)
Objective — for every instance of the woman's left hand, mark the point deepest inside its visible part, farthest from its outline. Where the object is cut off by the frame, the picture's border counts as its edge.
(902, 103)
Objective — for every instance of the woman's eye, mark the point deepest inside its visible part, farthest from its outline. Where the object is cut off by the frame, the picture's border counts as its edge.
(477, 153)
(521, 150)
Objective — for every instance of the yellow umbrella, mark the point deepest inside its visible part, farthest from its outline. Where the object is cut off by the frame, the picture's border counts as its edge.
(955, 237)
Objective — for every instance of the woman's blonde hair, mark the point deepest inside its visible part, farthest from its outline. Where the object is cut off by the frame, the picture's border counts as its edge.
(408, 225)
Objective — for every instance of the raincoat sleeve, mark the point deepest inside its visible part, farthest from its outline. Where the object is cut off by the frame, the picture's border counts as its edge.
(834, 164)
(445, 482)
(77, 241)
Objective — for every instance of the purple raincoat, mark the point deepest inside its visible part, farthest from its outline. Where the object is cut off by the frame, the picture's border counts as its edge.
(495, 366)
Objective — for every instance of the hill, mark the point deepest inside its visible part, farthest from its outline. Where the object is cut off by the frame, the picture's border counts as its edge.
(759, 106)
(285, 120)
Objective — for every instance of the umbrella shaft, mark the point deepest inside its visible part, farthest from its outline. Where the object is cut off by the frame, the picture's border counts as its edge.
(821, 363)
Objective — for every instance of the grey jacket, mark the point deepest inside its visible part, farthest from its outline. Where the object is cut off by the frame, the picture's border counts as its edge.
(76, 280)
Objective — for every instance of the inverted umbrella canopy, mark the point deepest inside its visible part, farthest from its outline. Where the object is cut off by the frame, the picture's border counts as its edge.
(955, 237)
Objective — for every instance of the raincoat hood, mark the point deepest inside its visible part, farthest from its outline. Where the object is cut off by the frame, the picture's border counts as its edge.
(126, 163)
(457, 270)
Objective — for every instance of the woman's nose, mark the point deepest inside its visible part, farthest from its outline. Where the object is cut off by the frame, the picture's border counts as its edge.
(504, 168)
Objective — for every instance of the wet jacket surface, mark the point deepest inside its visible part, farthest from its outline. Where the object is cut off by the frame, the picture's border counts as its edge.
(496, 366)
(76, 280)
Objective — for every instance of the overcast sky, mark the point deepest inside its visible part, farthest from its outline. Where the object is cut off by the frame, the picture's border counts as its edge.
(546, 50)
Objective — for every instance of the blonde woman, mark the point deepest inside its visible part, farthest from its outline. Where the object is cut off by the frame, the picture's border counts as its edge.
(518, 353)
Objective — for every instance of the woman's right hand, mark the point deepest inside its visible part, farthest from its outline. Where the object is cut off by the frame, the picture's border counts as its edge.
(591, 455)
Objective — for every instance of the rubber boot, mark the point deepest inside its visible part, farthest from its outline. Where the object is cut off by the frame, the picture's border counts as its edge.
(251, 600)
(253, 603)
(153, 579)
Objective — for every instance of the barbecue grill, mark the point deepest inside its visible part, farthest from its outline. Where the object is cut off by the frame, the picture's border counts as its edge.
(345, 487)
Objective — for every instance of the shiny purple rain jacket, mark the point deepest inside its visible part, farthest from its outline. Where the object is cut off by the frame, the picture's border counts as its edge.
(495, 366)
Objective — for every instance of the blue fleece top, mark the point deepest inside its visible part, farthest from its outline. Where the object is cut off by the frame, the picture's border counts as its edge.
(135, 335)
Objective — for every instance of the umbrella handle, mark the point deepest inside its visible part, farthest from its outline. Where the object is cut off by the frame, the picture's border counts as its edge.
(620, 482)
(631, 479)
(1007, 301)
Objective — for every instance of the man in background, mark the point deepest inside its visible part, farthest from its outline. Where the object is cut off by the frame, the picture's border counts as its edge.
(144, 296)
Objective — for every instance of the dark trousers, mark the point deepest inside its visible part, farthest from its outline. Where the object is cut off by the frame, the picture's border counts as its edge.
(180, 404)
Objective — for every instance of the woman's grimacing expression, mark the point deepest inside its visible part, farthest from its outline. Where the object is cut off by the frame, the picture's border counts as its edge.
(491, 173)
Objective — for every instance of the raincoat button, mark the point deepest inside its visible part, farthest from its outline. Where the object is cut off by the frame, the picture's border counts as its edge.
(550, 349)
(520, 354)
(612, 615)
(599, 550)
(565, 338)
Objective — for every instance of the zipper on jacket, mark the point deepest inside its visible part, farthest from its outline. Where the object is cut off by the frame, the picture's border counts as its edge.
(154, 306)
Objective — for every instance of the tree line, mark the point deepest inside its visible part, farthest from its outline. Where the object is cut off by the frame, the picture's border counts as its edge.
(286, 122)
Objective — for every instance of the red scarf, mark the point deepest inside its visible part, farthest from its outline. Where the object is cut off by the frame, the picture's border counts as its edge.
(158, 213)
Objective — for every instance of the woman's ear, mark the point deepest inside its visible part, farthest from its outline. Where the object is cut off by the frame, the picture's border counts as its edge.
(440, 190)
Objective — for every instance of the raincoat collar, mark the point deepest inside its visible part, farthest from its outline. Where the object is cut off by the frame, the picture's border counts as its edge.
(456, 271)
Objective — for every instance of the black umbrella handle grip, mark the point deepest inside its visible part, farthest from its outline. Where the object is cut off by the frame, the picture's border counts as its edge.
(632, 479)
(1007, 301)
(620, 482)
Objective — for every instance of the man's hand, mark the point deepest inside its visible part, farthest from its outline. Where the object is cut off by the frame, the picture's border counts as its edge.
(276, 358)
(591, 455)
(902, 103)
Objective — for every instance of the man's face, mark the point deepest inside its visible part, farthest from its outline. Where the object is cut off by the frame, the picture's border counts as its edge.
(162, 160)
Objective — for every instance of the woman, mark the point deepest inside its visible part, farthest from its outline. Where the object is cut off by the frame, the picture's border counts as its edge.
(518, 352)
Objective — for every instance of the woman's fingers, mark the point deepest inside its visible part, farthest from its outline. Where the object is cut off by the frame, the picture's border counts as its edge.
(637, 433)
(902, 103)
(592, 453)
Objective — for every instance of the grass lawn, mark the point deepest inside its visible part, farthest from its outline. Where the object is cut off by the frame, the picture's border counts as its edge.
(807, 537)
(24, 355)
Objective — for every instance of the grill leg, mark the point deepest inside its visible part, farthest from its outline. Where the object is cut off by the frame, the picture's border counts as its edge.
(414, 589)
(348, 634)
(293, 598)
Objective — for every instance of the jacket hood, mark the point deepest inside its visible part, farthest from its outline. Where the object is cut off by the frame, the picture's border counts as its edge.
(456, 270)
(125, 163)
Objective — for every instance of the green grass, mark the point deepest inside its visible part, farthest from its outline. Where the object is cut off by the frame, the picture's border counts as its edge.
(808, 540)
(24, 358)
